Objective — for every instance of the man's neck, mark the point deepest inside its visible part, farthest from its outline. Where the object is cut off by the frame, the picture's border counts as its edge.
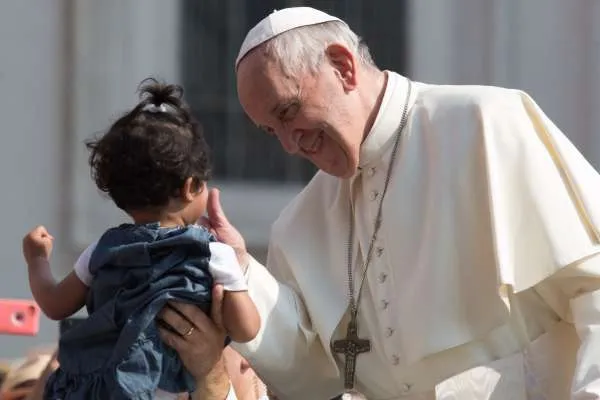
(375, 98)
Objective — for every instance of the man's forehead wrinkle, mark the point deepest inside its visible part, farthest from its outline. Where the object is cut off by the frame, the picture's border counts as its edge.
(287, 95)
(268, 88)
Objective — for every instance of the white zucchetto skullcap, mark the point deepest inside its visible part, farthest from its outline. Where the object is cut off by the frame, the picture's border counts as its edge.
(280, 21)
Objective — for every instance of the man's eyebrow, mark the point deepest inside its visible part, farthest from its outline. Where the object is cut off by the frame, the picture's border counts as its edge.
(279, 107)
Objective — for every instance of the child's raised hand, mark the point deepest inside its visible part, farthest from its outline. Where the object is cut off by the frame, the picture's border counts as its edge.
(37, 244)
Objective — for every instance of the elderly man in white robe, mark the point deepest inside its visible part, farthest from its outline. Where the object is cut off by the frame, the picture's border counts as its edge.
(448, 248)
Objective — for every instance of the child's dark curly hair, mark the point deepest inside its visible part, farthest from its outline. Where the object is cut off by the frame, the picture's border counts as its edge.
(146, 156)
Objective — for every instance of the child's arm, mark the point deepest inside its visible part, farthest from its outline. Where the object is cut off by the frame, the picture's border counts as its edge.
(240, 315)
(58, 300)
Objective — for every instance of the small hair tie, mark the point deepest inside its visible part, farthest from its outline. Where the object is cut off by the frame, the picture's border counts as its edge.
(153, 108)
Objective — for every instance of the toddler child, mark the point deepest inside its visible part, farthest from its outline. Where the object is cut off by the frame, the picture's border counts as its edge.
(153, 163)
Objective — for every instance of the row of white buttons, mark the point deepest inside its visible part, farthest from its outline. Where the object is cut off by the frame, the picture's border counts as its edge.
(395, 359)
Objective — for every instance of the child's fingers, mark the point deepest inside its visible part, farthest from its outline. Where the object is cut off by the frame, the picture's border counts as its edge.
(41, 231)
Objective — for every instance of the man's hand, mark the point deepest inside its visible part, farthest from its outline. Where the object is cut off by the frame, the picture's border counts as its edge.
(198, 338)
(219, 226)
(37, 245)
(199, 341)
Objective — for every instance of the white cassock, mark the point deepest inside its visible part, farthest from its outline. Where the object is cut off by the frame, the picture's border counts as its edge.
(484, 279)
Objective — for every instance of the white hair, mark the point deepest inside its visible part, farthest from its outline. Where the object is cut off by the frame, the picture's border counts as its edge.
(302, 49)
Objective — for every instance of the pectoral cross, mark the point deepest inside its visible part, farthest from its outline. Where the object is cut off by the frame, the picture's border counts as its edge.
(351, 346)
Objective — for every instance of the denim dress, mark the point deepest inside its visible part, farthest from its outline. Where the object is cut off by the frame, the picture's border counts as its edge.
(116, 352)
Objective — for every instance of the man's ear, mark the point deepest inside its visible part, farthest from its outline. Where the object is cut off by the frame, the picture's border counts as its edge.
(344, 63)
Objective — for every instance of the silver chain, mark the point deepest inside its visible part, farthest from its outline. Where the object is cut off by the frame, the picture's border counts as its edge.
(350, 245)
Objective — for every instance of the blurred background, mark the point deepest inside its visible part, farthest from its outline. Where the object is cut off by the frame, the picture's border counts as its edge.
(68, 68)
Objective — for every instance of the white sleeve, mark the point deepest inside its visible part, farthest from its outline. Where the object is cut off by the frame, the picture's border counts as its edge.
(82, 265)
(225, 269)
(287, 352)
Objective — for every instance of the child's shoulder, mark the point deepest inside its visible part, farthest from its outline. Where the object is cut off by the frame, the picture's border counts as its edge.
(117, 232)
(153, 235)
(221, 250)
(217, 249)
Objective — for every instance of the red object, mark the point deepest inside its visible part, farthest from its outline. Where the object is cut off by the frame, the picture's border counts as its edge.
(19, 317)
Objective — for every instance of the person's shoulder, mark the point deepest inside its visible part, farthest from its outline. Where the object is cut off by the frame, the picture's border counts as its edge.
(220, 250)
(457, 98)
(321, 189)
(115, 234)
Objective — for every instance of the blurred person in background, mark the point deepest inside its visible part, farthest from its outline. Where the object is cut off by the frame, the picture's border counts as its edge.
(4, 368)
(25, 378)
(448, 248)
(247, 385)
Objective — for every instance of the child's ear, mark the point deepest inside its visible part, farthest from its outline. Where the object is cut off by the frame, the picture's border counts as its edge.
(189, 189)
